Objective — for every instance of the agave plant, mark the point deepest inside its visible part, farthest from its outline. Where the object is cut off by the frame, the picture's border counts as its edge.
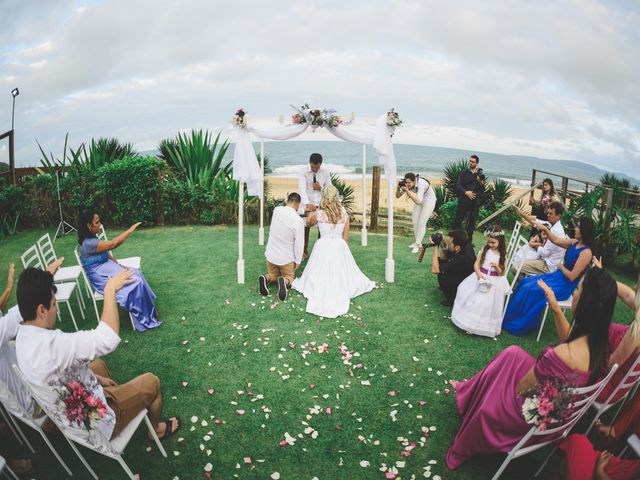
(441, 197)
(499, 192)
(50, 163)
(197, 158)
(346, 192)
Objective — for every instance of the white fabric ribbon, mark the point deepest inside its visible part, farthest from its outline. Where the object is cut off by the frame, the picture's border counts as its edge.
(246, 168)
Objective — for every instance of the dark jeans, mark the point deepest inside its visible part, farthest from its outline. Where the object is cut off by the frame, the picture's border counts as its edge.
(468, 210)
(449, 286)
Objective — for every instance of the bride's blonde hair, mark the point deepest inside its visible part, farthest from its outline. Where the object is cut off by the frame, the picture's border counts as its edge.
(330, 203)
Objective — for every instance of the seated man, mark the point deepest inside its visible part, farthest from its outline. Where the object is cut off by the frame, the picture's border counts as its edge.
(550, 255)
(8, 329)
(45, 354)
(453, 264)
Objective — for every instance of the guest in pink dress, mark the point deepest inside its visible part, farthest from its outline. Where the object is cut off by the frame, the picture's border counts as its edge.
(490, 403)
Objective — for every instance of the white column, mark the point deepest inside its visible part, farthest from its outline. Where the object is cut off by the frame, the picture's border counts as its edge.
(240, 265)
(389, 270)
(363, 232)
(261, 228)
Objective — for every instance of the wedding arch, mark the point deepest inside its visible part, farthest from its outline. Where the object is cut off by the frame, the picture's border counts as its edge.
(247, 170)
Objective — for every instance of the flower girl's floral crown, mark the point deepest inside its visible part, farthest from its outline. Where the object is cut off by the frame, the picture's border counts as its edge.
(494, 232)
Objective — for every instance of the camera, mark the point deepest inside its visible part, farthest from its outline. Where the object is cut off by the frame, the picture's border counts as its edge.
(480, 174)
(402, 183)
(436, 239)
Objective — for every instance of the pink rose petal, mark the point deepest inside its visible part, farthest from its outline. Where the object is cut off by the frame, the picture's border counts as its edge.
(218, 421)
(405, 453)
(283, 443)
(327, 410)
(211, 391)
(312, 386)
(240, 412)
(390, 475)
(247, 459)
(422, 402)
(391, 393)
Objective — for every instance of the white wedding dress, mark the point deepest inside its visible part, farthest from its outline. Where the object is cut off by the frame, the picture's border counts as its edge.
(331, 278)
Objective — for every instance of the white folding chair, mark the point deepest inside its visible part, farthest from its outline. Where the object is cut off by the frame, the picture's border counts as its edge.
(31, 258)
(129, 262)
(11, 404)
(564, 306)
(556, 431)
(112, 448)
(515, 233)
(6, 470)
(520, 242)
(512, 287)
(628, 385)
(64, 274)
(93, 294)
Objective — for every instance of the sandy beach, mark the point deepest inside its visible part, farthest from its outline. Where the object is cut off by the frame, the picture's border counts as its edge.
(280, 187)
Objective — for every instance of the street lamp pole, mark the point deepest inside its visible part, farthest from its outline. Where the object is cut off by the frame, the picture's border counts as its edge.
(15, 92)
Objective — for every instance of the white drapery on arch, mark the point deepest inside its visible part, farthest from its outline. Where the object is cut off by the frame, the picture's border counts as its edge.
(247, 170)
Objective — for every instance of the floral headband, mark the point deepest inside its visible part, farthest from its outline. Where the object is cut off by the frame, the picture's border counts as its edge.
(494, 234)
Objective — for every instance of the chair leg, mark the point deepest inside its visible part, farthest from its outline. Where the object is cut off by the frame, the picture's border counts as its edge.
(546, 460)
(504, 465)
(80, 299)
(155, 436)
(82, 459)
(9, 473)
(95, 305)
(73, 318)
(55, 452)
(21, 433)
(133, 325)
(8, 422)
(125, 467)
(544, 317)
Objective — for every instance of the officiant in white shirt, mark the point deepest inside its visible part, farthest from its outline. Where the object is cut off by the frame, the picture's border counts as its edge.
(284, 247)
(310, 183)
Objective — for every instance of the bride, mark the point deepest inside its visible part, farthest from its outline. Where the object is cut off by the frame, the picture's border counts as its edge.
(331, 278)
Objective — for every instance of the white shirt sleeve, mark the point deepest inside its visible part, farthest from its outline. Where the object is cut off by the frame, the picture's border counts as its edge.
(9, 325)
(85, 344)
(327, 178)
(302, 188)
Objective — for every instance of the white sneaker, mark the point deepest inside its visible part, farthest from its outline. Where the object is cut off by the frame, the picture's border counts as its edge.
(413, 245)
(415, 249)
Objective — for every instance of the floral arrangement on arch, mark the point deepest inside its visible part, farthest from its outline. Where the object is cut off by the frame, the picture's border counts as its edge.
(393, 118)
(548, 402)
(82, 406)
(316, 117)
(239, 119)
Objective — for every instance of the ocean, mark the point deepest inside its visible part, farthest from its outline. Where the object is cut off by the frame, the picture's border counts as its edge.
(345, 159)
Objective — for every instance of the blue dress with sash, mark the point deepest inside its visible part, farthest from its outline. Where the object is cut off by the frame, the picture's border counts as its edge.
(136, 297)
(523, 314)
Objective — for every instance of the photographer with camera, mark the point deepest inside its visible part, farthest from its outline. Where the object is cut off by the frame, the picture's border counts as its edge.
(419, 191)
(452, 261)
(468, 187)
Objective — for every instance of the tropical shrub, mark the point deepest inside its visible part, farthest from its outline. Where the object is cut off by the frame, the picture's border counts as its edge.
(196, 158)
(346, 192)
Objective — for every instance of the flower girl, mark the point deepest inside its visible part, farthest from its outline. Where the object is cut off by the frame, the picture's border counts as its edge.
(480, 299)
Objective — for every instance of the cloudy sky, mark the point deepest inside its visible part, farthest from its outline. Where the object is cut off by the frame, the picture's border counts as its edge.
(555, 79)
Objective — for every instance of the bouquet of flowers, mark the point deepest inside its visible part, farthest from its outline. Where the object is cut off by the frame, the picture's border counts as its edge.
(315, 117)
(547, 403)
(81, 404)
(330, 119)
(393, 118)
(239, 118)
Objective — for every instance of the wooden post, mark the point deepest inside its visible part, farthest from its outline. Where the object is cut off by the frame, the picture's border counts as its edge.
(375, 197)
(565, 187)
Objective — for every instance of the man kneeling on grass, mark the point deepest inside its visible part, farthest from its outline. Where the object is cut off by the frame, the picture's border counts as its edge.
(45, 355)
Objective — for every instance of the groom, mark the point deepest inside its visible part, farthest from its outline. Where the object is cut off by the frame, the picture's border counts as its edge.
(284, 248)
(311, 181)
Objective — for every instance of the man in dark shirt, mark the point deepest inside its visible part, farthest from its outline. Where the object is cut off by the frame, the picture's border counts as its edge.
(453, 264)
(467, 187)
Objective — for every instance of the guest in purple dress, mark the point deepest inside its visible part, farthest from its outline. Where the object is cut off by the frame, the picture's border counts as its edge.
(96, 258)
(490, 403)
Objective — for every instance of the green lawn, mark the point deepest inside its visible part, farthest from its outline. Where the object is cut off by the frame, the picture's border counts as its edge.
(257, 355)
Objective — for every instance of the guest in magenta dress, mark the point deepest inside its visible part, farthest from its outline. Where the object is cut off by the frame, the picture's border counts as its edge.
(582, 461)
(524, 311)
(99, 265)
(490, 403)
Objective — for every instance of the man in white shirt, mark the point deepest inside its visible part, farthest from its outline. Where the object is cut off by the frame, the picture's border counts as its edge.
(46, 355)
(550, 255)
(9, 324)
(284, 247)
(310, 183)
(421, 193)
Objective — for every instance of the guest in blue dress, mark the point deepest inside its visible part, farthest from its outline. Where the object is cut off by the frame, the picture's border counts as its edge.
(523, 314)
(100, 265)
